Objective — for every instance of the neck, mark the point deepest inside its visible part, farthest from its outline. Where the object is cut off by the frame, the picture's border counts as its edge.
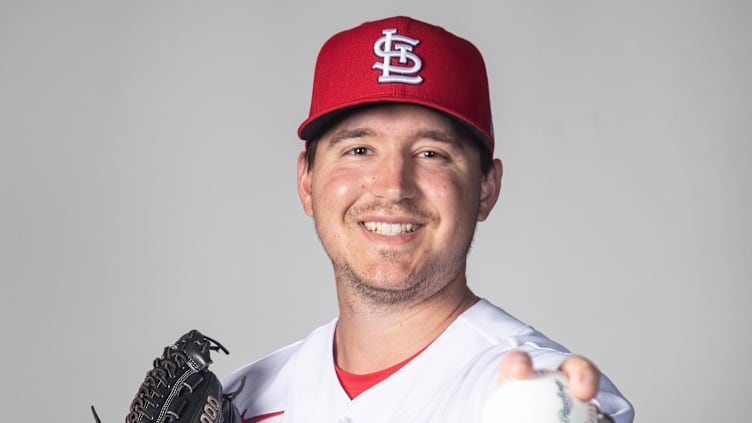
(370, 338)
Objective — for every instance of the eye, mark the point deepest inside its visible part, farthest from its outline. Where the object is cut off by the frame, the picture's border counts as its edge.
(358, 151)
(428, 154)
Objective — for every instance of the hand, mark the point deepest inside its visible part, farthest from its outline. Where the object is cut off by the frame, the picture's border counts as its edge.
(583, 377)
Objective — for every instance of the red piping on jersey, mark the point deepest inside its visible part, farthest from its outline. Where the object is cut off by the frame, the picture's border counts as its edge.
(256, 419)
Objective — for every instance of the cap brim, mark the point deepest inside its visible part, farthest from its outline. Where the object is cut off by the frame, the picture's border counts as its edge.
(315, 126)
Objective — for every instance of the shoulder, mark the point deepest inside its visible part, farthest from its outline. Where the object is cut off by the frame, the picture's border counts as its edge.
(263, 383)
(504, 332)
(266, 379)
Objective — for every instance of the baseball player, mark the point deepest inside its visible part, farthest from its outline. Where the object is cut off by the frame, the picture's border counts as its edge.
(397, 170)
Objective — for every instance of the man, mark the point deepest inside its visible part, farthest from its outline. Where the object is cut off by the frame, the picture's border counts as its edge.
(397, 171)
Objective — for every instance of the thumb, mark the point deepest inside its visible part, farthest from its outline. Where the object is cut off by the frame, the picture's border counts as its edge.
(515, 365)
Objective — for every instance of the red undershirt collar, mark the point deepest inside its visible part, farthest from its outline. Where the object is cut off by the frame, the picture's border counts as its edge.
(355, 384)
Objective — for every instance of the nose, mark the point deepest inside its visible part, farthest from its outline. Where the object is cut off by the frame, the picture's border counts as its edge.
(394, 178)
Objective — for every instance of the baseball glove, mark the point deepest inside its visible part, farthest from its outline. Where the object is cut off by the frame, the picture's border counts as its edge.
(181, 388)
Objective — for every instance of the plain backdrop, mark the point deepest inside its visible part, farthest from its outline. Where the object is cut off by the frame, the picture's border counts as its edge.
(147, 187)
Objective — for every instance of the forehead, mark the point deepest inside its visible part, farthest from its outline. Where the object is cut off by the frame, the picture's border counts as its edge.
(397, 119)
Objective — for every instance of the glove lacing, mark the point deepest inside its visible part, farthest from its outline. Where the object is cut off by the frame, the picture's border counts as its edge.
(148, 400)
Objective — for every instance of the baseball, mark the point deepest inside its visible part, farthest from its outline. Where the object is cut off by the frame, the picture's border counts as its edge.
(544, 398)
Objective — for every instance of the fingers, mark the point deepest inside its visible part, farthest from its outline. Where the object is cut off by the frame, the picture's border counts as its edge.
(515, 365)
(582, 376)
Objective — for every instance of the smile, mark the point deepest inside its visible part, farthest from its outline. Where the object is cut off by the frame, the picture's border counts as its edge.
(382, 228)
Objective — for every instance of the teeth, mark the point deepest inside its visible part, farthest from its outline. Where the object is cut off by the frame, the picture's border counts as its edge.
(390, 228)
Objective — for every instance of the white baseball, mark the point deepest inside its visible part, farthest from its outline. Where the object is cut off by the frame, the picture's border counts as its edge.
(544, 398)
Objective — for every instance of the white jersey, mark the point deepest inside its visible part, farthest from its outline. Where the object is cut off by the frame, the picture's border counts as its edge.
(449, 381)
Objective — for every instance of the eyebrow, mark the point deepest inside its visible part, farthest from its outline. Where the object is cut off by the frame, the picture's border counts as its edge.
(345, 134)
(447, 137)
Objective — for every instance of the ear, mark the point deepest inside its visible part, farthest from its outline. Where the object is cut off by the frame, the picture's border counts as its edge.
(490, 187)
(304, 184)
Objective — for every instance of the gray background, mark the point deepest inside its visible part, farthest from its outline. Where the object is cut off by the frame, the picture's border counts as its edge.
(147, 186)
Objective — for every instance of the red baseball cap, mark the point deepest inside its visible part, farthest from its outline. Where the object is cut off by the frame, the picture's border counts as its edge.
(400, 60)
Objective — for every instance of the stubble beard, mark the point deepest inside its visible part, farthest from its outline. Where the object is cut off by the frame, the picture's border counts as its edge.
(371, 292)
(432, 280)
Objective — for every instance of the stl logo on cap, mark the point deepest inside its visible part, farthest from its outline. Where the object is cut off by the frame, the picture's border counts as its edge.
(400, 47)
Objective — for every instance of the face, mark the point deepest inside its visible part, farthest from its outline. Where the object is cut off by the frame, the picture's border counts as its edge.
(395, 193)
